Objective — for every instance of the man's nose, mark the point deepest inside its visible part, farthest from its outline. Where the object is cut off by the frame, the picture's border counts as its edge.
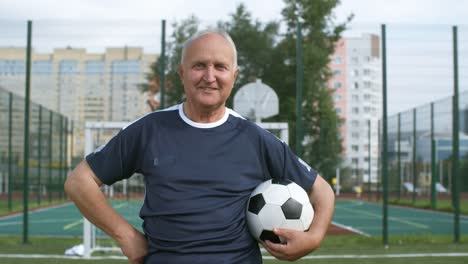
(209, 75)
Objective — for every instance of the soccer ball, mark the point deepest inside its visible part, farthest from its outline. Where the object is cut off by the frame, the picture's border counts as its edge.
(281, 204)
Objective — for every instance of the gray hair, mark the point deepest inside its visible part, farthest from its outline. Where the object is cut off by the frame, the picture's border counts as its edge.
(202, 33)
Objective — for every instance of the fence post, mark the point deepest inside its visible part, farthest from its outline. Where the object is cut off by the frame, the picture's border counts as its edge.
(27, 113)
(299, 78)
(60, 176)
(10, 152)
(415, 171)
(433, 163)
(399, 156)
(455, 141)
(49, 181)
(162, 64)
(369, 165)
(384, 139)
(39, 156)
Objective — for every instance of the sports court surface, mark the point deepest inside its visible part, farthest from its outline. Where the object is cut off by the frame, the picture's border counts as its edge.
(360, 216)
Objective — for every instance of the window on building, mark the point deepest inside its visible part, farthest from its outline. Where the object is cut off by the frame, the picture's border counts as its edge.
(338, 110)
(337, 85)
(12, 67)
(355, 148)
(94, 67)
(336, 73)
(337, 60)
(337, 97)
(68, 67)
(356, 85)
(126, 67)
(355, 110)
(42, 68)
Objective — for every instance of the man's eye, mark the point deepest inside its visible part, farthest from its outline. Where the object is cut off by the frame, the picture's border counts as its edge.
(221, 67)
(199, 66)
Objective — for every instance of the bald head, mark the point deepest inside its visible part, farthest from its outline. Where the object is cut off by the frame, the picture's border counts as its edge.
(202, 33)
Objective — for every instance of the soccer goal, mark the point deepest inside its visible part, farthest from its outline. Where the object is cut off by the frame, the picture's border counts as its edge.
(126, 196)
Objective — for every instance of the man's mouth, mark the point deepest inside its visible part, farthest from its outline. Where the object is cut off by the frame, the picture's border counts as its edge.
(208, 88)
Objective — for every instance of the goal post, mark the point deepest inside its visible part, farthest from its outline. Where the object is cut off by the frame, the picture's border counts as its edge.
(120, 193)
(279, 129)
(98, 134)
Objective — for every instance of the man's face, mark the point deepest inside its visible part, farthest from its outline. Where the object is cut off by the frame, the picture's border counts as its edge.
(208, 72)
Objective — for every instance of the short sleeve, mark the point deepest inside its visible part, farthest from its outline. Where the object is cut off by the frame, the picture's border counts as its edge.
(283, 163)
(118, 159)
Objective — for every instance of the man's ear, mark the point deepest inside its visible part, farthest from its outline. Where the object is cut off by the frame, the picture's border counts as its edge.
(180, 71)
(236, 73)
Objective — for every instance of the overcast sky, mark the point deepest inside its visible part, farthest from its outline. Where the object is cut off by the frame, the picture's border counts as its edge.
(379, 11)
(435, 18)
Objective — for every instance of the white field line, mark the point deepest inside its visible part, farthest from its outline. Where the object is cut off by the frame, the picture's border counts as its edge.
(47, 221)
(408, 255)
(36, 211)
(350, 228)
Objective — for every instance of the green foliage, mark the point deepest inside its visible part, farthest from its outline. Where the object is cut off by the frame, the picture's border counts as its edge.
(173, 85)
(255, 43)
(182, 31)
(322, 144)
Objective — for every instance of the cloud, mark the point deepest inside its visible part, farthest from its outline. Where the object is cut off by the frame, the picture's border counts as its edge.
(405, 11)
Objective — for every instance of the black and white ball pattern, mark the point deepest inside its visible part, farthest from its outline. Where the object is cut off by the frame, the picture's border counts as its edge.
(281, 204)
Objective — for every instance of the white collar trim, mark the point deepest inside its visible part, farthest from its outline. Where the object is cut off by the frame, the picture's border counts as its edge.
(203, 125)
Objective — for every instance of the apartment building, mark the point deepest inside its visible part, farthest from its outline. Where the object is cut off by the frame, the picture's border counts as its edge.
(356, 81)
(83, 86)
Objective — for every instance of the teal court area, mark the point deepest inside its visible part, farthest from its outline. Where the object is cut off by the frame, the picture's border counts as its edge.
(363, 217)
(63, 221)
(367, 218)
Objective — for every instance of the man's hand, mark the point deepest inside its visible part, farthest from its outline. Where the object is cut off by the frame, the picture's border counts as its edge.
(135, 247)
(82, 186)
(298, 244)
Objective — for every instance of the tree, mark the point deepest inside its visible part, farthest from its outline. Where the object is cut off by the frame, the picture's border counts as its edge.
(255, 43)
(322, 144)
(173, 86)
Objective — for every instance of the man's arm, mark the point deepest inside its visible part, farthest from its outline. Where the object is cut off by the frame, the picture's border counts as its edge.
(82, 186)
(299, 244)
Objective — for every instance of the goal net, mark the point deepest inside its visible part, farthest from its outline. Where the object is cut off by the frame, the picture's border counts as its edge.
(126, 196)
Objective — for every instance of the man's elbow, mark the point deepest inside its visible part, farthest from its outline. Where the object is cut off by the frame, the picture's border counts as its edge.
(80, 178)
(70, 183)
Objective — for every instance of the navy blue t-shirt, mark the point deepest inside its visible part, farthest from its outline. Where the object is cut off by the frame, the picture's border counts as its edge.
(198, 179)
